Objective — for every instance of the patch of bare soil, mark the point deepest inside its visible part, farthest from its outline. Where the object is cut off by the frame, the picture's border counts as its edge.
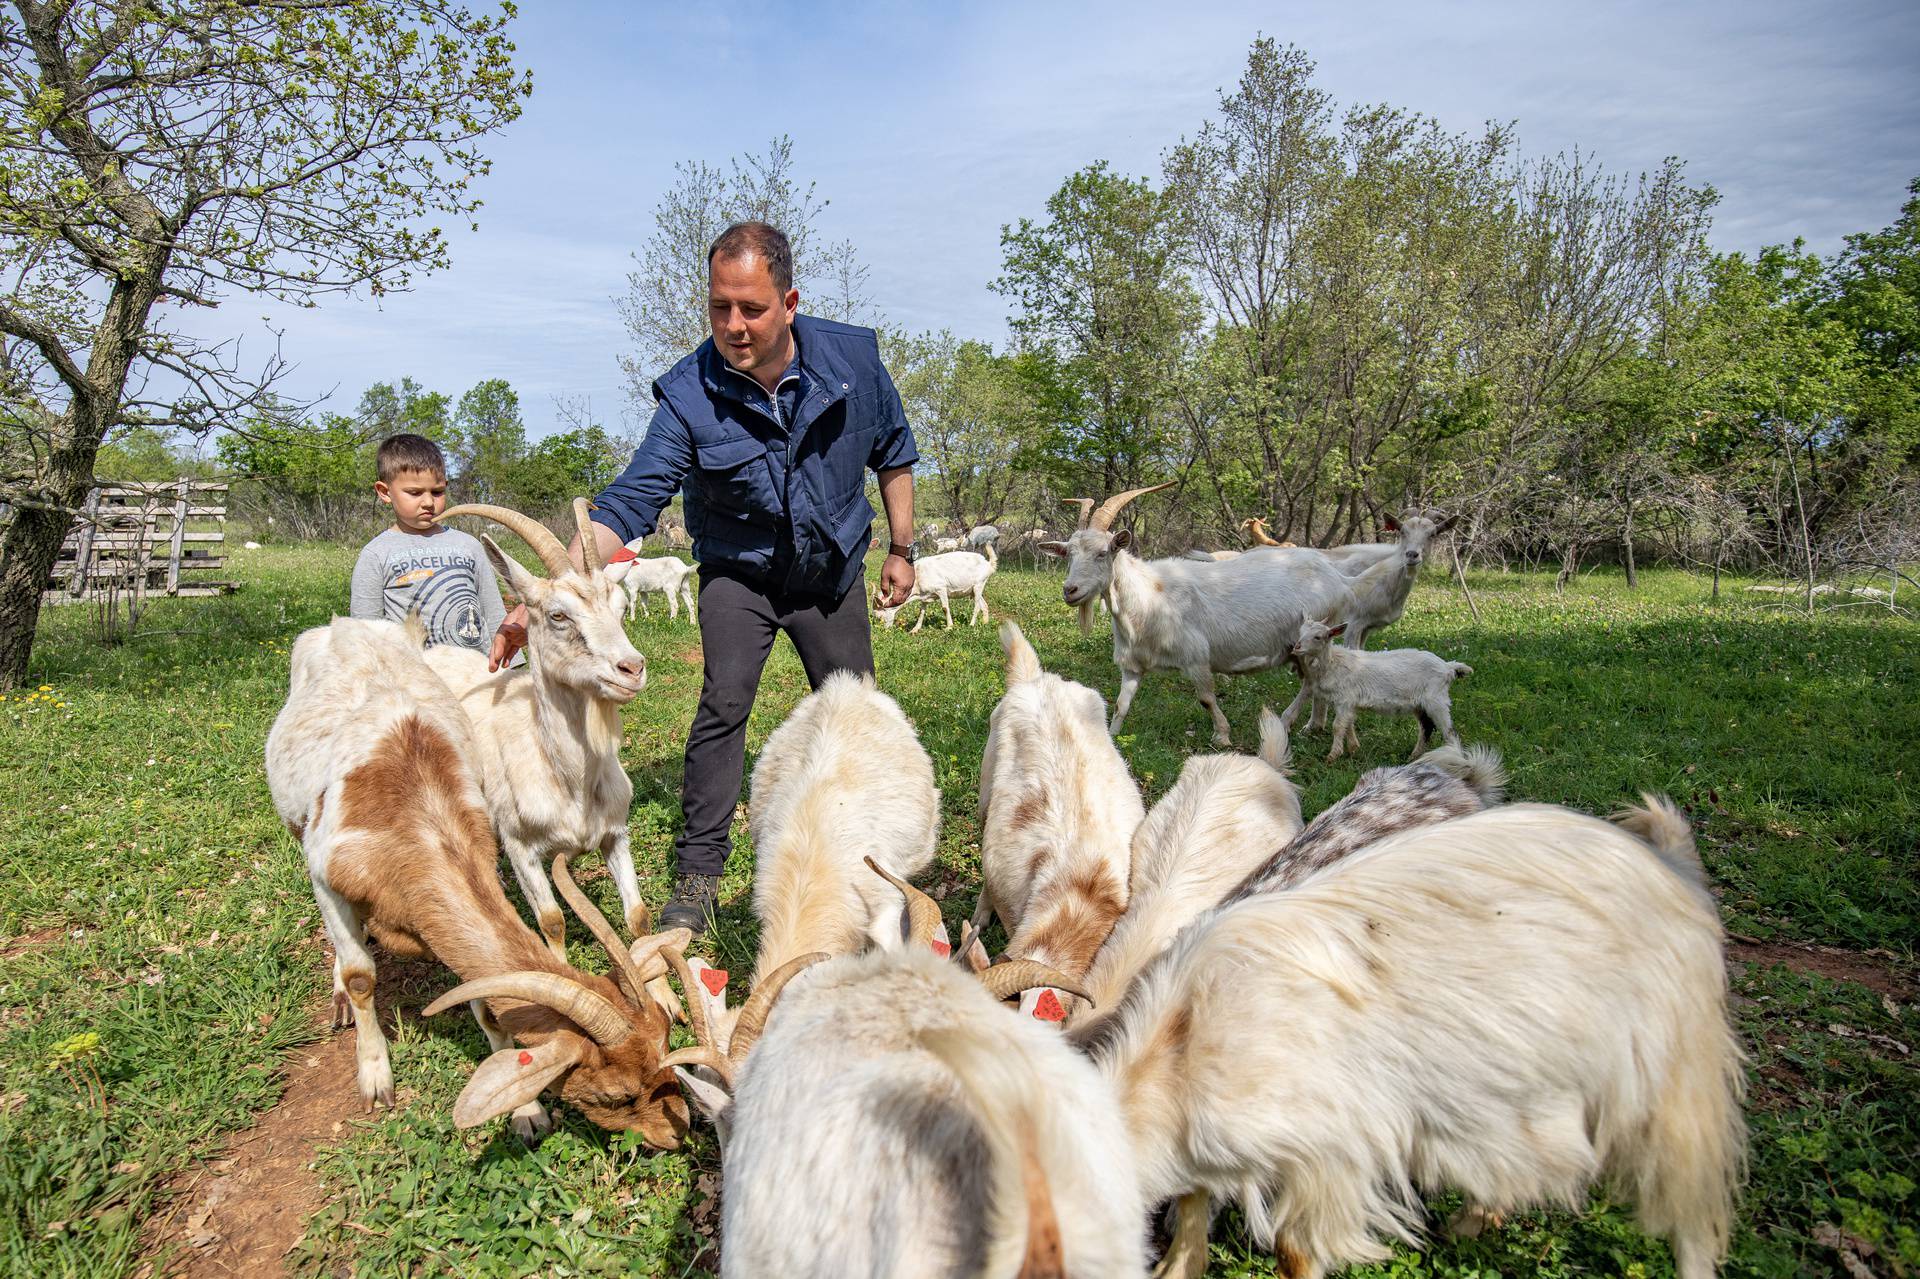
(692, 656)
(1878, 970)
(245, 1210)
(14, 947)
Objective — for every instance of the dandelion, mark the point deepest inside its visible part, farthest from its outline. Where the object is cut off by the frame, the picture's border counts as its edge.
(46, 688)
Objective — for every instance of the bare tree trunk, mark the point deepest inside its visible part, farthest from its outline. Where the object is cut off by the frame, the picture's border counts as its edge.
(1719, 551)
(28, 553)
(1800, 510)
(1569, 565)
(1626, 539)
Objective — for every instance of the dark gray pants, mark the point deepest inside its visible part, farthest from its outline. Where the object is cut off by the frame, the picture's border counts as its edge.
(738, 621)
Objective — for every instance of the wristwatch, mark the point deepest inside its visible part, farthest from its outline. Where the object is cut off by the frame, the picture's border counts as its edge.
(909, 552)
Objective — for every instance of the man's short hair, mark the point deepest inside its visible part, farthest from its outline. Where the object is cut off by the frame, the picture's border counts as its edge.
(758, 240)
(409, 453)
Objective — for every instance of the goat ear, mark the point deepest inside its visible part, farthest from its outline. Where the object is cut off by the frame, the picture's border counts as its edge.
(714, 1101)
(710, 988)
(1392, 525)
(1446, 524)
(617, 571)
(524, 584)
(513, 1077)
(1337, 631)
(1059, 550)
(1122, 540)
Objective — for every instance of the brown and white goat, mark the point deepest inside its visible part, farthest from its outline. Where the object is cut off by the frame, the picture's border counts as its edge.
(1057, 813)
(548, 735)
(371, 765)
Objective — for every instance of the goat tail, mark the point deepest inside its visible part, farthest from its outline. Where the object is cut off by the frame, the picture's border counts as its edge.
(1022, 662)
(1460, 669)
(1479, 767)
(1274, 752)
(1023, 1231)
(1656, 822)
(414, 628)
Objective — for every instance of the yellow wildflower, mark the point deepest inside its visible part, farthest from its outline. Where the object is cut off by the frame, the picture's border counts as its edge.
(46, 688)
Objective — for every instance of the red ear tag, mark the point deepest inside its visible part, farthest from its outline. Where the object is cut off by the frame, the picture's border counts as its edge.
(940, 948)
(714, 979)
(526, 1058)
(622, 555)
(1048, 1008)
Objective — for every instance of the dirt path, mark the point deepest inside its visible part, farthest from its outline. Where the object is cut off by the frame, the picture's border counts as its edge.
(1877, 970)
(245, 1210)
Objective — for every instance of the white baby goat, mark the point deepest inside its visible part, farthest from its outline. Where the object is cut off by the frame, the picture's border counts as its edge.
(664, 574)
(941, 576)
(1057, 813)
(1345, 681)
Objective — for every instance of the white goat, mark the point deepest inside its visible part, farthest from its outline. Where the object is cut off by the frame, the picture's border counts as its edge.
(1512, 1004)
(1399, 680)
(1057, 813)
(874, 1130)
(1233, 616)
(548, 735)
(1416, 534)
(1380, 595)
(1218, 825)
(941, 576)
(371, 765)
(946, 544)
(665, 574)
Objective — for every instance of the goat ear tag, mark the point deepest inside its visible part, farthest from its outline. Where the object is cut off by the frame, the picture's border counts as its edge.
(1047, 1007)
(714, 979)
(941, 948)
(622, 555)
(526, 1058)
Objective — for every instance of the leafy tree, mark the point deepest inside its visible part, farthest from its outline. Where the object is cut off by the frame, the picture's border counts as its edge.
(570, 464)
(1099, 288)
(665, 307)
(166, 154)
(489, 425)
(972, 417)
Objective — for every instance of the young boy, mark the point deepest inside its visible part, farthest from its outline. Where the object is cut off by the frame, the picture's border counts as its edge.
(419, 564)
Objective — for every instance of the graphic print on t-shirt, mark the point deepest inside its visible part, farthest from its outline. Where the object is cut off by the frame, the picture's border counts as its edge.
(442, 586)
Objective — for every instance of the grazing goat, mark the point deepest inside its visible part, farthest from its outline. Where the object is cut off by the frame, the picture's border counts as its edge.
(1234, 616)
(548, 735)
(1057, 813)
(371, 765)
(874, 1130)
(982, 535)
(947, 544)
(665, 574)
(940, 576)
(1440, 785)
(1221, 821)
(1399, 680)
(1416, 533)
(843, 779)
(1511, 1004)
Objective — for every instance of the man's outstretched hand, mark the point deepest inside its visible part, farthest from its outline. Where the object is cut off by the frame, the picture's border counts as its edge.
(896, 581)
(509, 639)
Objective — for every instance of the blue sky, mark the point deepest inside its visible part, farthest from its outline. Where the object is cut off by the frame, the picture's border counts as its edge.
(929, 126)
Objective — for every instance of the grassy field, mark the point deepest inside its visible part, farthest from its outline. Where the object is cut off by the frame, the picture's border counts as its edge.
(149, 899)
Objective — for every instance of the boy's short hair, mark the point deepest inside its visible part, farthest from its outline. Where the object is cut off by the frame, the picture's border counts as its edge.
(409, 453)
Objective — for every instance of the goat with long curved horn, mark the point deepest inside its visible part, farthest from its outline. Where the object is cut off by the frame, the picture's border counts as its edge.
(1109, 510)
(531, 531)
(1086, 509)
(1011, 977)
(759, 1005)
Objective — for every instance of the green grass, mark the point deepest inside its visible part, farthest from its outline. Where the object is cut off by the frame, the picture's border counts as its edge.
(155, 901)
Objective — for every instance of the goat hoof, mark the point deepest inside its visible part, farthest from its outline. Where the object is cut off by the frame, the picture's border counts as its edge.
(530, 1128)
(1471, 1220)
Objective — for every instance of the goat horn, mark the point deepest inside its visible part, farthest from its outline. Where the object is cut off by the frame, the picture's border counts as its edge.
(923, 913)
(674, 950)
(712, 1058)
(1086, 508)
(623, 965)
(592, 1012)
(531, 531)
(753, 1014)
(589, 544)
(1110, 509)
(1005, 980)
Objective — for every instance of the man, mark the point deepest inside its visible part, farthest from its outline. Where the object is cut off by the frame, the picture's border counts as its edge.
(770, 426)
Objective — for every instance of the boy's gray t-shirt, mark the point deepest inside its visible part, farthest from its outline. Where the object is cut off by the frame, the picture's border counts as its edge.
(446, 574)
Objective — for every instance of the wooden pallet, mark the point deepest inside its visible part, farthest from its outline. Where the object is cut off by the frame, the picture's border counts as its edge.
(136, 538)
